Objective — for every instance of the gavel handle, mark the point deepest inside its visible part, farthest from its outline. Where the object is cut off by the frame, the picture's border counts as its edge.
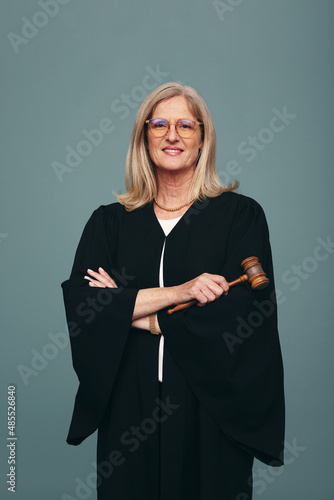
(185, 305)
(242, 279)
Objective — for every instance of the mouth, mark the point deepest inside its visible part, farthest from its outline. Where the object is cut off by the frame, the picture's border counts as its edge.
(172, 151)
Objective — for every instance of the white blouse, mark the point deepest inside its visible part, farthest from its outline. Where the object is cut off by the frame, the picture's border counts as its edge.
(167, 226)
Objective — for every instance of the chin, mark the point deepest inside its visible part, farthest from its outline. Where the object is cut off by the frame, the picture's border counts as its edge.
(174, 166)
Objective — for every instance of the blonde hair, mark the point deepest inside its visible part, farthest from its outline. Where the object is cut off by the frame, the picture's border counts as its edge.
(140, 177)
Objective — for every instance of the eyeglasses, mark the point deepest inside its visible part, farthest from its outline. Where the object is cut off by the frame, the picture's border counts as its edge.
(184, 128)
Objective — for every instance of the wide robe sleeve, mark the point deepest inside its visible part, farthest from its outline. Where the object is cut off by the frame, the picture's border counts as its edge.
(229, 351)
(99, 320)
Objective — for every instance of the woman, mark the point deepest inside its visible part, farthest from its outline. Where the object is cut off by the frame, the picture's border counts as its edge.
(182, 402)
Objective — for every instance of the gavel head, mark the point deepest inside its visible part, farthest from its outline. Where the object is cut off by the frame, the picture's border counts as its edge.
(256, 276)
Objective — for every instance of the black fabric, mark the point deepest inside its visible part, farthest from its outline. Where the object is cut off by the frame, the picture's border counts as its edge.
(222, 374)
(183, 457)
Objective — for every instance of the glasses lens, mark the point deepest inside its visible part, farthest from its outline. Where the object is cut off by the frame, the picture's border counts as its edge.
(159, 127)
(185, 128)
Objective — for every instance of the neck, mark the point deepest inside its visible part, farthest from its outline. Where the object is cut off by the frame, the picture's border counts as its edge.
(173, 187)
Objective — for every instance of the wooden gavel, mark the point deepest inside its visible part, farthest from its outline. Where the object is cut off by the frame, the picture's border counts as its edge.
(253, 273)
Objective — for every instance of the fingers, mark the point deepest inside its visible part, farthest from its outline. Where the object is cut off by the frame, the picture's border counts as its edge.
(221, 281)
(94, 282)
(209, 287)
(100, 279)
(106, 276)
(204, 299)
(214, 285)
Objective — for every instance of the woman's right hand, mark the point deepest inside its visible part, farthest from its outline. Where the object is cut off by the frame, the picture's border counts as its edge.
(205, 288)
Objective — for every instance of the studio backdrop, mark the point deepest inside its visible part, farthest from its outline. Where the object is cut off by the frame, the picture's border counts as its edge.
(74, 73)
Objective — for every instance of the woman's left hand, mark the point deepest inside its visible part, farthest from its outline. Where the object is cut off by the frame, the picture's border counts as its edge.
(100, 279)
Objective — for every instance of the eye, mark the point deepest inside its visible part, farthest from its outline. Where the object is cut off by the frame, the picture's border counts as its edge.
(159, 124)
(186, 125)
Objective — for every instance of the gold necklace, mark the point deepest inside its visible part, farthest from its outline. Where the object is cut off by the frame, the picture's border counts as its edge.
(173, 209)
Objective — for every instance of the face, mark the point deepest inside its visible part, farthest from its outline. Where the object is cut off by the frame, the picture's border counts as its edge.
(171, 152)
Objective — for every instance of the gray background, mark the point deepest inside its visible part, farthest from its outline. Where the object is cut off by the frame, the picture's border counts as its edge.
(246, 60)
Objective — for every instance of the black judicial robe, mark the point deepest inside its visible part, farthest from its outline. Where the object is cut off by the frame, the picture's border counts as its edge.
(222, 386)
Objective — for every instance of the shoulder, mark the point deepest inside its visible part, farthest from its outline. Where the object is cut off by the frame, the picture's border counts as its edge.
(108, 212)
(242, 211)
(235, 201)
(104, 219)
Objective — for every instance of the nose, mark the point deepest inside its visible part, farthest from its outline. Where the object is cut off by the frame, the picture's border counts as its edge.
(172, 135)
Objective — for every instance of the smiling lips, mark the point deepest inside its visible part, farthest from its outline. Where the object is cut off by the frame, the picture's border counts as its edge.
(172, 151)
